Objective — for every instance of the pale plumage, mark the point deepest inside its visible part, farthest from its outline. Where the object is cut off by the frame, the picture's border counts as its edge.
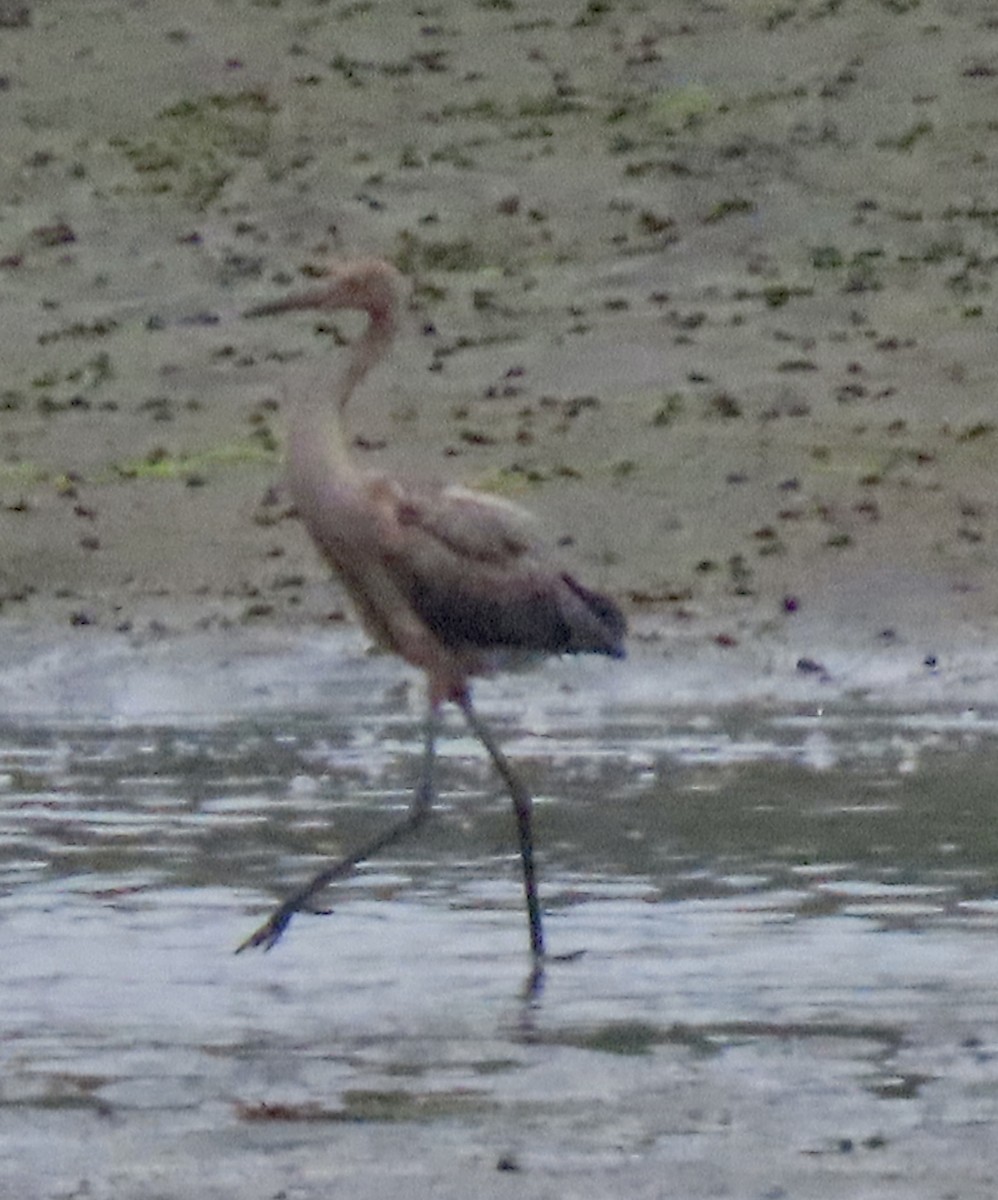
(454, 581)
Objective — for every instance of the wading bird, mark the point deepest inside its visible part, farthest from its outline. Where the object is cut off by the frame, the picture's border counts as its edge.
(452, 580)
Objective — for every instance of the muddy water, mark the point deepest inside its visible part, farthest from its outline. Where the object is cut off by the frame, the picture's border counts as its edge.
(788, 982)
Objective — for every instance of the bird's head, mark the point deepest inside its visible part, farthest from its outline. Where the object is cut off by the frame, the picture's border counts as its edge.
(371, 285)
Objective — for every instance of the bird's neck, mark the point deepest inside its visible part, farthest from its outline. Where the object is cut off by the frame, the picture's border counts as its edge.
(369, 349)
(317, 441)
(317, 452)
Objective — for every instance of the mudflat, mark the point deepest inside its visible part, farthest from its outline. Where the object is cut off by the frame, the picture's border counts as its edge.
(708, 288)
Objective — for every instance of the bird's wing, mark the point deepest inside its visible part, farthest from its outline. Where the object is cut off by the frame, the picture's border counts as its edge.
(473, 526)
(471, 567)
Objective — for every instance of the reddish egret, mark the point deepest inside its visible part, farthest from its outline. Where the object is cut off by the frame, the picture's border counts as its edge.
(453, 581)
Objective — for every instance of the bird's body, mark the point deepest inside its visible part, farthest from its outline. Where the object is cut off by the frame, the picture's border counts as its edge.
(450, 579)
(454, 581)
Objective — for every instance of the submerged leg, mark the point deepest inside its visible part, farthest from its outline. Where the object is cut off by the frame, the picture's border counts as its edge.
(270, 932)
(523, 807)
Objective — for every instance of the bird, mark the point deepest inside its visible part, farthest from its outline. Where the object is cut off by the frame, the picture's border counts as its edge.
(453, 580)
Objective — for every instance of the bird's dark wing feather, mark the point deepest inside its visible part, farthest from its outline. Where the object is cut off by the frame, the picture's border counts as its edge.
(473, 572)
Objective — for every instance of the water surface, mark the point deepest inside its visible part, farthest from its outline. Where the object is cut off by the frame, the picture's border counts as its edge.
(787, 981)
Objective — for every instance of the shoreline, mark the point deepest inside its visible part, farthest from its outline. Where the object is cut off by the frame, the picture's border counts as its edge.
(200, 678)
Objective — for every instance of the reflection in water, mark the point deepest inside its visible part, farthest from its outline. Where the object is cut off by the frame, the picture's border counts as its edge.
(807, 900)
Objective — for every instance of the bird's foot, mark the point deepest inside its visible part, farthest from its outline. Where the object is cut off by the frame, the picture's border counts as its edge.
(568, 957)
(533, 985)
(270, 932)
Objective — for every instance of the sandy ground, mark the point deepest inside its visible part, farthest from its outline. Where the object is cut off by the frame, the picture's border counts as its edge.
(708, 287)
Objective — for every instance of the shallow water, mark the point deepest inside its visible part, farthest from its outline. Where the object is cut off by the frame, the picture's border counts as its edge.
(787, 984)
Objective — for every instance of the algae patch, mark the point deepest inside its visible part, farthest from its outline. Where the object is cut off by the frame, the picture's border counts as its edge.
(194, 147)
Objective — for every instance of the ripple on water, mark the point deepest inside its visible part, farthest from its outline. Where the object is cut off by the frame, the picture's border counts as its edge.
(762, 899)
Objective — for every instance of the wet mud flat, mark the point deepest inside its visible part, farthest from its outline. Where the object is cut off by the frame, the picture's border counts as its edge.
(786, 916)
(709, 288)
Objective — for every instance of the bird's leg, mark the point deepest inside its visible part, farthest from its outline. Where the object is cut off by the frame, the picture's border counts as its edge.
(523, 807)
(270, 932)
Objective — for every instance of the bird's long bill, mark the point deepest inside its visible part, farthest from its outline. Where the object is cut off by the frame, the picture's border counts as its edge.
(315, 299)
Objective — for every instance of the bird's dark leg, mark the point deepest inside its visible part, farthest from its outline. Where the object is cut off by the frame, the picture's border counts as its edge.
(270, 932)
(523, 807)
